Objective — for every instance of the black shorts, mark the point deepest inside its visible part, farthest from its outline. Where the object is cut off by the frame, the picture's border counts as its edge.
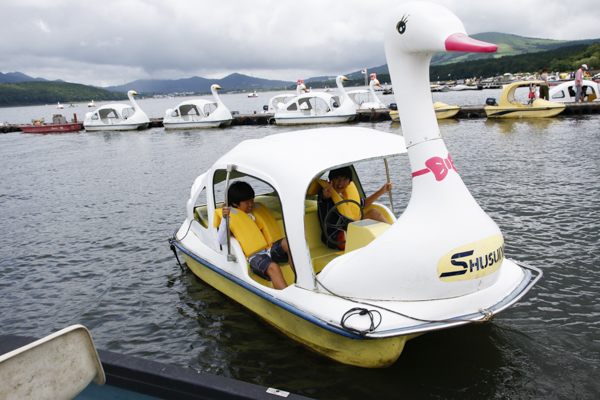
(259, 263)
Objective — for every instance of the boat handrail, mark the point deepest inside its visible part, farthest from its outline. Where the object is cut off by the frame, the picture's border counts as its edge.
(230, 169)
(532, 268)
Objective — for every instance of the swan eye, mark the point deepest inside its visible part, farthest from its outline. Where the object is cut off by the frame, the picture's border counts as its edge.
(401, 26)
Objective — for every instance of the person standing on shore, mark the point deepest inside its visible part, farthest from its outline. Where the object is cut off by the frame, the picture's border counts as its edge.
(579, 83)
(544, 87)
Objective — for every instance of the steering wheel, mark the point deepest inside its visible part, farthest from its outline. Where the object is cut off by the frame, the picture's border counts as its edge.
(342, 221)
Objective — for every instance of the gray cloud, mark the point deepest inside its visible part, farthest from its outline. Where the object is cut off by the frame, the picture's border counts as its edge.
(112, 42)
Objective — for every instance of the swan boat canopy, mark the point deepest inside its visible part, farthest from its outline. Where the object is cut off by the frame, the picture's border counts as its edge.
(565, 92)
(367, 99)
(508, 107)
(117, 117)
(440, 264)
(198, 113)
(314, 108)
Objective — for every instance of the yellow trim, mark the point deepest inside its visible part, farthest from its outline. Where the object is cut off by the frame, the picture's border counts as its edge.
(444, 111)
(373, 353)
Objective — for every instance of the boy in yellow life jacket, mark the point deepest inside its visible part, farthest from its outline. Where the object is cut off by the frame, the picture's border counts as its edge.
(257, 231)
(340, 187)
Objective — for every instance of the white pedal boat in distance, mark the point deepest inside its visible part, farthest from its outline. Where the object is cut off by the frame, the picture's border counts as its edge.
(565, 92)
(441, 264)
(117, 117)
(279, 101)
(367, 99)
(313, 108)
(199, 113)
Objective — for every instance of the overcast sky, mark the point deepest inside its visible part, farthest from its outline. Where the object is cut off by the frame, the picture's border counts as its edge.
(112, 42)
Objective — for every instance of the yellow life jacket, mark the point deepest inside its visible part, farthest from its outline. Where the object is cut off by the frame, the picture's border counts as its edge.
(254, 236)
(350, 210)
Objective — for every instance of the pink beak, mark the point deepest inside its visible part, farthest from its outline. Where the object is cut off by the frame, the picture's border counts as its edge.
(461, 42)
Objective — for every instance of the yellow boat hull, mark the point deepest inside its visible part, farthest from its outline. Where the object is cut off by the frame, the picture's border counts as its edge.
(368, 353)
(523, 112)
(508, 107)
(442, 111)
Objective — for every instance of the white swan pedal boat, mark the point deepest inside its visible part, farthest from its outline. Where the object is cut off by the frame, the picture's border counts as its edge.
(313, 108)
(199, 113)
(403, 302)
(441, 264)
(117, 117)
(565, 92)
(279, 101)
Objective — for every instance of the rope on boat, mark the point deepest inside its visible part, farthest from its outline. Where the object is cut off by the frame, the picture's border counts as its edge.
(172, 245)
(487, 314)
(361, 311)
(171, 239)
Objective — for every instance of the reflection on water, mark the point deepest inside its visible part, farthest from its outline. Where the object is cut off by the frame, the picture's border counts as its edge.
(85, 220)
(513, 125)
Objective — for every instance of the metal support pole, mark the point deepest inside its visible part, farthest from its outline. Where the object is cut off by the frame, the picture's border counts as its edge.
(387, 173)
(230, 169)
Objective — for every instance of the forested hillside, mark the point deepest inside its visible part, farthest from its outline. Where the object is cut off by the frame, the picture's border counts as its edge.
(564, 59)
(33, 93)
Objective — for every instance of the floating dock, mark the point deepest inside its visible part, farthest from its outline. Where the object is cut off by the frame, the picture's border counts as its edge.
(466, 112)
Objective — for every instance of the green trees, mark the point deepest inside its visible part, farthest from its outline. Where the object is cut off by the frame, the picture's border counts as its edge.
(33, 93)
(563, 59)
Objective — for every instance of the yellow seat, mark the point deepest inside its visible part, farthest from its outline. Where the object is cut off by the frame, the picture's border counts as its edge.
(320, 254)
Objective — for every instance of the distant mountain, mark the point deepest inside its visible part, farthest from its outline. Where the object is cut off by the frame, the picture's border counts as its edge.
(233, 82)
(12, 77)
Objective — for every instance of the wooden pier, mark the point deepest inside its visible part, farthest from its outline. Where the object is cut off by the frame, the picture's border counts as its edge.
(466, 112)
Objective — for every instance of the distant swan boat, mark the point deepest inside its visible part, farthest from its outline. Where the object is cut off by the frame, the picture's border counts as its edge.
(314, 108)
(372, 100)
(198, 113)
(117, 117)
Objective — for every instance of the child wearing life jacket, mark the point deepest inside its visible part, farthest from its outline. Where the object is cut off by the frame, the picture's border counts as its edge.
(340, 187)
(257, 231)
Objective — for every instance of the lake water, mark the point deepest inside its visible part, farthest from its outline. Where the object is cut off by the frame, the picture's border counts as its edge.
(85, 219)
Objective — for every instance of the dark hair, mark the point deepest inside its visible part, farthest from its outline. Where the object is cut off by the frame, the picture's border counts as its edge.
(544, 70)
(240, 191)
(344, 172)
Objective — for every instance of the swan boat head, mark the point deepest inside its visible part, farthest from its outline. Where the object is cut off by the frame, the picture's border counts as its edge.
(300, 88)
(222, 113)
(139, 116)
(339, 81)
(373, 102)
(443, 245)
